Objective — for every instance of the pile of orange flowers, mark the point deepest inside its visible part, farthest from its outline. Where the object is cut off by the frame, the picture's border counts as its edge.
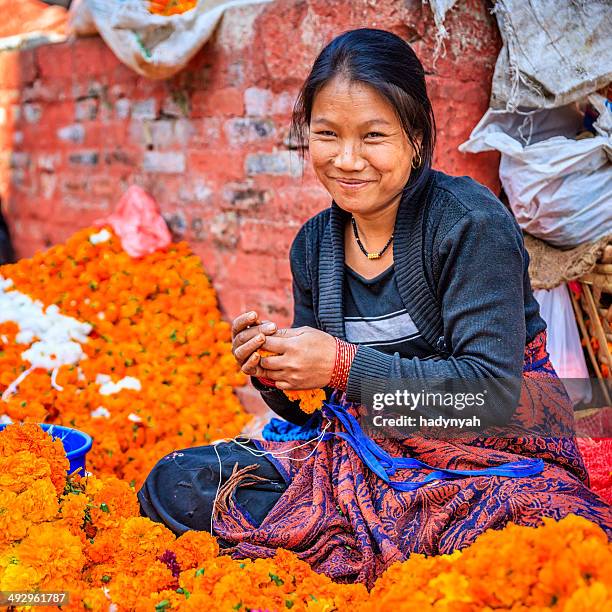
(171, 7)
(155, 322)
(85, 536)
(154, 319)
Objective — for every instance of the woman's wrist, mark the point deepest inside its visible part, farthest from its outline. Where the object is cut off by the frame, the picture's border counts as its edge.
(266, 381)
(345, 353)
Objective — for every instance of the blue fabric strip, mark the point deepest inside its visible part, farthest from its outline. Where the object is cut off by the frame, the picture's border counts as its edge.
(278, 430)
(379, 461)
(537, 365)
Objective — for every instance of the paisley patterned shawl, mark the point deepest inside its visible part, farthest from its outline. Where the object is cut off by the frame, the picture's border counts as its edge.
(347, 523)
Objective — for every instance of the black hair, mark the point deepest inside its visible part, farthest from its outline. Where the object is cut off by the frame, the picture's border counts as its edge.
(388, 64)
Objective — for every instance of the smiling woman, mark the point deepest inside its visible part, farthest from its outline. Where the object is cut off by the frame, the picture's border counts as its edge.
(409, 273)
(360, 153)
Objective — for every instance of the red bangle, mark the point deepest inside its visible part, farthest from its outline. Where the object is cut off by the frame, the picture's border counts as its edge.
(345, 353)
(266, 381)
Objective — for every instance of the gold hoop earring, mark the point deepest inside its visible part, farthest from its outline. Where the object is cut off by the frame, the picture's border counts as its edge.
(419, 161)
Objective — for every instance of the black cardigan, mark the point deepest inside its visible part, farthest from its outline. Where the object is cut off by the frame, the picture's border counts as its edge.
(461, 270)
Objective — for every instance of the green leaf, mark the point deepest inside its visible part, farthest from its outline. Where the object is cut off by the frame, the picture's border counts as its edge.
(277, 581)
(104, 507)
(289, 603)
(106, 578)
(200, 571)
(163, 605)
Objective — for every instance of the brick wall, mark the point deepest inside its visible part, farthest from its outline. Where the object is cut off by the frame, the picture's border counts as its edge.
(77, 127)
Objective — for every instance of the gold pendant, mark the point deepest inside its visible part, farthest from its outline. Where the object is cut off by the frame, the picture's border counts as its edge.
(373, 255)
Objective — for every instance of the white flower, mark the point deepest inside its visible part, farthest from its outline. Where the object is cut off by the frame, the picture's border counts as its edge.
(100, 412)
(55, 338)
(110, 388)
(102, 236)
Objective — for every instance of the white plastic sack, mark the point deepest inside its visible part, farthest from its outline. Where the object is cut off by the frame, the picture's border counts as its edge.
(559, 188)
(555, 52)
(156, 46)
(80, 20)
(563, 342)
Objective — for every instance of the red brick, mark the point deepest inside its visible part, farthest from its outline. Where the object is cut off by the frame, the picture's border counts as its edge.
(58, 115)
(226, 102)
(216, 163)
(104, 187)
(232, 303)
(249, 270)
(91, 57)
(207, 132)
(283, 270)
(263, 236)
(273, 304)
(9, 70)
(55, 61)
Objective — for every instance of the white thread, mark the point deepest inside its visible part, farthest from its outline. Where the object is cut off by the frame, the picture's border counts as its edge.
(212, 514)
(54, 380)
(262, 453)
(282, 455)
(12, 388)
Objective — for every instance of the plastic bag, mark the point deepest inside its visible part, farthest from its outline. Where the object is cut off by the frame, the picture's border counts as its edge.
(80, 19)
(138, 223)
(563, 342)
(555, 52)
(157, 46)
(558, 187)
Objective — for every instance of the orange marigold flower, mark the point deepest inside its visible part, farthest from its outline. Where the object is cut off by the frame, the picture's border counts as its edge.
(194, 548)
(310, 399)
(30, 437)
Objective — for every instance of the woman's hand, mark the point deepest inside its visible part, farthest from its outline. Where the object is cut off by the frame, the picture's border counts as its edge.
(248, 335)
(305, 359)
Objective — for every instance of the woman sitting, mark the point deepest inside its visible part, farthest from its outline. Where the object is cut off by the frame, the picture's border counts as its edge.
(409, 274)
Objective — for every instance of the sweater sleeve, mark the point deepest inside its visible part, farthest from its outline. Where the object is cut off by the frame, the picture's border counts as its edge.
(303, 315)
(480, 291)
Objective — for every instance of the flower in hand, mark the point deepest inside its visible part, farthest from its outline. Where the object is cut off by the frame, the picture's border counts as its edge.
(299, 361)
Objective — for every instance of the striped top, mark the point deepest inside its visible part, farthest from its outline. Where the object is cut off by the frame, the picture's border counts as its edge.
(375, 316)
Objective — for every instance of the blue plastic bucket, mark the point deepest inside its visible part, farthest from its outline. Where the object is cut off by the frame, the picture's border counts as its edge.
(76, 444)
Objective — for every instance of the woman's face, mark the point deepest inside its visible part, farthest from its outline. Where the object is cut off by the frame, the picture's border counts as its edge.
(358, 148)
